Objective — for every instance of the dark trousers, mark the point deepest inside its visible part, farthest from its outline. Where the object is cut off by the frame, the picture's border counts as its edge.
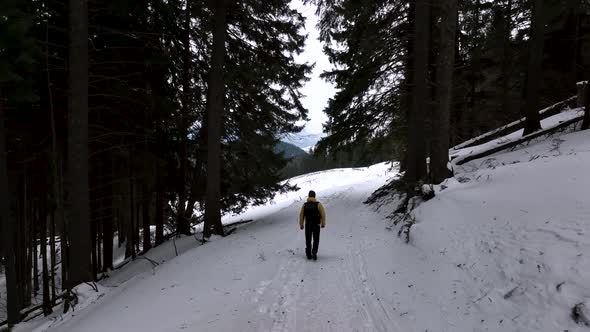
(312, 231)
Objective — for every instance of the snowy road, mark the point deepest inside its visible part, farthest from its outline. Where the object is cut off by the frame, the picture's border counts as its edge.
(503, 248)
(258, 279)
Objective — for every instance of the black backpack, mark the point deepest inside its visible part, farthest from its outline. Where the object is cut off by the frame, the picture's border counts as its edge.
(311, 212)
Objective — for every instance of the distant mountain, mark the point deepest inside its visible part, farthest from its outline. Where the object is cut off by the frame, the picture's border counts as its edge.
(289, 150)
(303, 139)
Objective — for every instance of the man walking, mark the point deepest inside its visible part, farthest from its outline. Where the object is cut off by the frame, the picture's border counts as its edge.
(312, 212)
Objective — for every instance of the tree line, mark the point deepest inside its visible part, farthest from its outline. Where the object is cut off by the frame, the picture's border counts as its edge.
(123, 123)
(427, 75)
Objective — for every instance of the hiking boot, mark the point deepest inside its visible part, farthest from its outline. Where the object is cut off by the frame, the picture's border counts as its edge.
(309, 256)
(315, 257)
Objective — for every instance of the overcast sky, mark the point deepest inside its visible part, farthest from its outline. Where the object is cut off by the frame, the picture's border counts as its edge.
(317, 91)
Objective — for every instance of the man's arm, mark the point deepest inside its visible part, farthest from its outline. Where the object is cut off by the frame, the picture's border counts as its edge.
(322, 214)
(301, 218)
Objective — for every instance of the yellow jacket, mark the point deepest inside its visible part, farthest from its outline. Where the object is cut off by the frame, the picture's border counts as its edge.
(322, 213)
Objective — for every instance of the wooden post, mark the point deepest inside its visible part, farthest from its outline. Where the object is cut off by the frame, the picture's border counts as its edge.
(581, 89)
(584, 97)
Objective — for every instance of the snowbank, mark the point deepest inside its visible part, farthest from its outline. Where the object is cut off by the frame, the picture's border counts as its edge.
(513, 228)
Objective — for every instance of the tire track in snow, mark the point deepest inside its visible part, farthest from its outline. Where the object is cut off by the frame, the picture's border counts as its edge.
(332, 294)
(283, 310)
(276, 297)
(362, 291)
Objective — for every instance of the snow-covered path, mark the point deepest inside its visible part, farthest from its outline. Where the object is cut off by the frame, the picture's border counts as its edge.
(258, 279)
(502, 247)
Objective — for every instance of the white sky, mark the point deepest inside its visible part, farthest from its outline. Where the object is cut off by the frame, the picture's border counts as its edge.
(317, 92)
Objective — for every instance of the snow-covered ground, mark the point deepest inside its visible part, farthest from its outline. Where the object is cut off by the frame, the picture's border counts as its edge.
(544, 123)
(549, 122)
(510, 234)
(118, 259)
(502, 247)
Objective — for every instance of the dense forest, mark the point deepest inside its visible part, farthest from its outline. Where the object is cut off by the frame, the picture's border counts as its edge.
(133, 120)
(419, 77)
(126, 123)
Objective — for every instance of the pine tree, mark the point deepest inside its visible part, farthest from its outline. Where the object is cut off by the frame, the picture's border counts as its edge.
(586, 121)
(215, 108)
(416, 149)
(368, 42)
(445, 66)
(45, 273)
(77, 172)
(17, 60)
(7, 221)
(262, 99)
(533, 122)
(183, 226)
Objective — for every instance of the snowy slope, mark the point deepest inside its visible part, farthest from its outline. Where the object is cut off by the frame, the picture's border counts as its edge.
(546, 123)
(563, 106)
(502, 247)
(513, 238)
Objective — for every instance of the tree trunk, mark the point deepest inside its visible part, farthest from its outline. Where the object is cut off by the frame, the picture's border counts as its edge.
(99, 233)
(94, 215)
(47, 304)
(107, 246)
(7, 219)
(121, 219)
(506, 64)
(574, 20)
(197, 186)
(534, 76)
(107, 226)
(456, 110)
(408, 88)
(215, 106)
(416, 151)
(159, 210)
(27, 244)
(35, 220)
(58, 216)
(80, 269)
(20, 250)
(182, 224)
(475, 121)
(160, 194)
(64, 248)
(130, 219)
(52, 255)
(586, 121)
(445, 68)
(93, 254)
(147, 239)
(136, 223)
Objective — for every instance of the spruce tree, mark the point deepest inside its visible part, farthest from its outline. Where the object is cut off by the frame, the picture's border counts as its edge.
(78, 207)
(416, 148)
(18, 51)
(215, 110)
(445, 67)
(537, 38)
